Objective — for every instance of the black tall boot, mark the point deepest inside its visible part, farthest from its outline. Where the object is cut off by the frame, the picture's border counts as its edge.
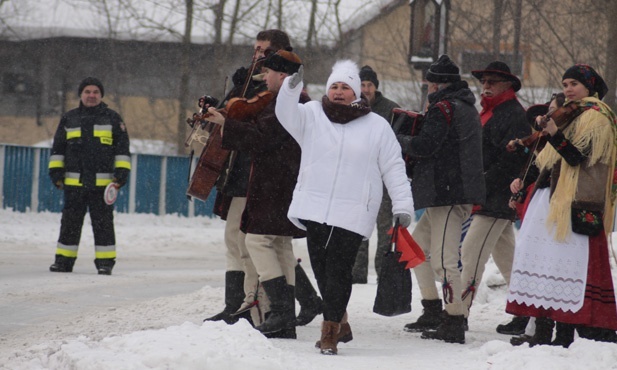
(544, 332)
(564, 334)
(282, 315)
(234, 296)
(310, 303)
(290, 331)
(430, 319)
(62, 264)
(451, 330)
(360, 267)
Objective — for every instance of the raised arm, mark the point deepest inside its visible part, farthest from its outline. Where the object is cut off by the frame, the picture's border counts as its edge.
(291, 115)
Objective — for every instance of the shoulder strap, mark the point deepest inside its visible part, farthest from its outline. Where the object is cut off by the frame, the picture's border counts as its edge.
(446, 108)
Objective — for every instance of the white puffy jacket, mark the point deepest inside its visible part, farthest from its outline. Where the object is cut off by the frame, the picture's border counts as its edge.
(342, 166)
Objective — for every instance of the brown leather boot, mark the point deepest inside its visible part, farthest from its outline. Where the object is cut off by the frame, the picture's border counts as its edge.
(344, 336)
(329, 333)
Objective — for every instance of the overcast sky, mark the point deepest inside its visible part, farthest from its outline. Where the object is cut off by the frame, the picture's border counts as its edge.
(81, 18)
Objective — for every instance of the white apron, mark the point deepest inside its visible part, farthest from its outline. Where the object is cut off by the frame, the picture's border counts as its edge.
(547, 273)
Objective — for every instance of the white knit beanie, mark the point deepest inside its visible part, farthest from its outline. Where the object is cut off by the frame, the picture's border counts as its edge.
(348, 72)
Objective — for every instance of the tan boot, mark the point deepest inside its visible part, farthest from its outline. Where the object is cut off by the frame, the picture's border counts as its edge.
(329, 333)
(345, 335)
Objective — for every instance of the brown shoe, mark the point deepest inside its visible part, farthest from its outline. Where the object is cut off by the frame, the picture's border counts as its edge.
(329, 334)
(344, 336)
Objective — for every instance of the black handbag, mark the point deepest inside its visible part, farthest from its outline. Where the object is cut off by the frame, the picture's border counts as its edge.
(394, 284)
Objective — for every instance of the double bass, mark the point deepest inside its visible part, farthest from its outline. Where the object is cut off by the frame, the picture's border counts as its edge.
(213, 157)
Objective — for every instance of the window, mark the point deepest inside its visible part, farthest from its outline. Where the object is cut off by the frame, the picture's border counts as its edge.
(16, 83)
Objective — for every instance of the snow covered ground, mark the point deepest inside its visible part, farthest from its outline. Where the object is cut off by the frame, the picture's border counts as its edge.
(169, 276)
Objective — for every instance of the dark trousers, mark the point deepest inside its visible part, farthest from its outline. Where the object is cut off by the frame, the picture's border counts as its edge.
(332, 251)
(78, 201)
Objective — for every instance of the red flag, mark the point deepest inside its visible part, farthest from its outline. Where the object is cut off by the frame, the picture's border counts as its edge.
(407, 246)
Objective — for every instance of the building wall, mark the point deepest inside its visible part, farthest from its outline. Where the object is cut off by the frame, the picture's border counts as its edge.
(39, 80)
(554, 35)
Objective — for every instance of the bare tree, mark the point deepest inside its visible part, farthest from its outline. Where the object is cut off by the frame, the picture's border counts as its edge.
(497, 16)
(185, 71)
(611, 55)
(234, 22)
(311, 25)
(218, 9)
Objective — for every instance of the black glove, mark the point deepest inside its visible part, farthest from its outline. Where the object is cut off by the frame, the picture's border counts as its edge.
(208, 100)
(57, 177)
(121, 176)
(239, 77)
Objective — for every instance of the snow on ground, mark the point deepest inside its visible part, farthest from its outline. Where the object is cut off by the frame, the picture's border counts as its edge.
(169, 276)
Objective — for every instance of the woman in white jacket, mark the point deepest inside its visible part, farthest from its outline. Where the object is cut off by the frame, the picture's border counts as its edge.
(347, 153)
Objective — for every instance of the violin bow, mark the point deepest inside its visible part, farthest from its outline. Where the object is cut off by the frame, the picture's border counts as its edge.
(251, 71)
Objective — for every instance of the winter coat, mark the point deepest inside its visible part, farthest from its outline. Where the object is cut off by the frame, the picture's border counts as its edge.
(233, 180)
(448, 151)
(501, 167)
(342, 167)
(383, 106)
(275, 162)
(91, 148)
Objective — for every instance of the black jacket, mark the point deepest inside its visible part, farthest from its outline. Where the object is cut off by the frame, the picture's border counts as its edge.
(383, 106)
(448, 152)
(500, 166)
(91, 148)
(233, 181)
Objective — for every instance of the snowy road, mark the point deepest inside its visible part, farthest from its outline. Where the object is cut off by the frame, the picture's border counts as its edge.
(169, 276)
(34, 301)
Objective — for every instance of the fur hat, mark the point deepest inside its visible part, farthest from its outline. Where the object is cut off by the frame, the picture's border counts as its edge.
(443, 70)
(499, 68)
(588, 77)
(535, 110)
(367, 74)
(90, 81)
(346, 71)
(284, 61)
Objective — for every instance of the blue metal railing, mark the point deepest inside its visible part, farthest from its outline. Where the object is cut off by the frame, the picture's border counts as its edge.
(158, 184)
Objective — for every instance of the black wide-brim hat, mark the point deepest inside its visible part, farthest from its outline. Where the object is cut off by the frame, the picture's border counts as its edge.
(533, 111)
(499, 68)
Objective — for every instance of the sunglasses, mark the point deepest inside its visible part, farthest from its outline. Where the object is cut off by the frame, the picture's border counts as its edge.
(490, 82)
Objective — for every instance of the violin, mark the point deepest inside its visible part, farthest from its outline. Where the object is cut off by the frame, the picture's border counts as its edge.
(238, 108)
(562, 116)
(243, 109)
(537, 140)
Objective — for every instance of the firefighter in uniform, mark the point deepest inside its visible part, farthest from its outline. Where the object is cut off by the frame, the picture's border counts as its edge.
(90, 151)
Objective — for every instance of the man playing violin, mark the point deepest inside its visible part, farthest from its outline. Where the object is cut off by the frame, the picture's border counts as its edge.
(492, 231)
(240, 277)
(266, 231)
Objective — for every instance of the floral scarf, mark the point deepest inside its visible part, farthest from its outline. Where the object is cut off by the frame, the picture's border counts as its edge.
(586, 131)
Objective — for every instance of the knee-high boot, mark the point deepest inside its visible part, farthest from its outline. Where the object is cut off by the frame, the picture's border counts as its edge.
(544, 332)
(282, 305)
(234, 296)
(564, 334)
